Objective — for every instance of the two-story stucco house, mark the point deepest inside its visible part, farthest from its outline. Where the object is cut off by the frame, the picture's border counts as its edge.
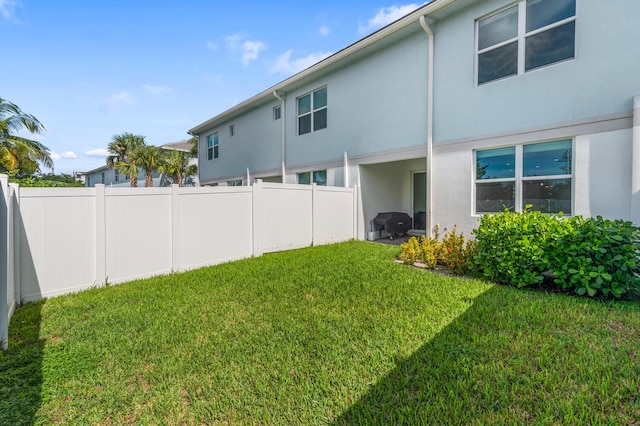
(460, 108)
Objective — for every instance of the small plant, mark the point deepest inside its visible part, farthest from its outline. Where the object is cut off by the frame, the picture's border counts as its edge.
(410, 251)
(453, 251)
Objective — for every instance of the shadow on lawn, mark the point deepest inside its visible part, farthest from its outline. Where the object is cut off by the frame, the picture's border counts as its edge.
(432, 385)
(21, 368)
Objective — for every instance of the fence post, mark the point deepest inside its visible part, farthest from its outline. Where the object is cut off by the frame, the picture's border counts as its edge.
(101, 235)
(4, 273)
(314, 214)
(16, 241)
(175, 228)
(257, 194)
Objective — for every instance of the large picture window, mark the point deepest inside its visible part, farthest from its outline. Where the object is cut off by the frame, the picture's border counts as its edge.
(312, 111)
(529, 35)
(537, 174)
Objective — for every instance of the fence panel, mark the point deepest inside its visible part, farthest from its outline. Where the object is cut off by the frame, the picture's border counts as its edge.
(333, 215)
(57, 241)
(138, 233)
(214, 226)
(284, 216)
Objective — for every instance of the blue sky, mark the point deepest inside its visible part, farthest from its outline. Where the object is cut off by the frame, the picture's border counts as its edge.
(91, 69)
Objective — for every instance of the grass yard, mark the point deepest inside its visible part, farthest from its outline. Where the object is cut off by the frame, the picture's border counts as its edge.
(336, 334)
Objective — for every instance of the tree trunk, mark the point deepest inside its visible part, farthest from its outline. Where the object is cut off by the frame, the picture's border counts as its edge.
(180, 180)
(148, 179)
(133, 181)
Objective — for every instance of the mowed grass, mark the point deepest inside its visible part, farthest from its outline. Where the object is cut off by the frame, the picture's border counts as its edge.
(336, 334)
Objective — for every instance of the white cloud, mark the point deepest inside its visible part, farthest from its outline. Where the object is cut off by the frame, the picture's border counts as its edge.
(100, 152)
(324, 31)
(248, 49)
(385, 16)
(155, 90)
(117, 99)
(286, 65)
(67, 154)
(8, 8)
(251, 50)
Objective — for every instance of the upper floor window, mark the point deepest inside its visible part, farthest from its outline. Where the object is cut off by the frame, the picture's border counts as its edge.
(538, 174)
(277, 113)
(312, 111)
(529, 35)
(212, 146)
(318, 177)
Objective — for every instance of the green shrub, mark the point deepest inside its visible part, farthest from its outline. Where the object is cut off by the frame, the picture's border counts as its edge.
(598, 257)
(430, 251)
(591, 256)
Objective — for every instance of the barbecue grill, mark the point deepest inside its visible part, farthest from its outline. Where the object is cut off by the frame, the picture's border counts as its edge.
(393, 223)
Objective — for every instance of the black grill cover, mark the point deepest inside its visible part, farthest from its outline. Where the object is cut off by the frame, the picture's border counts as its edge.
(393, 223)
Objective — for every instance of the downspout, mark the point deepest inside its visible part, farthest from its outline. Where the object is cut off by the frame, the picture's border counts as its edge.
(283, 116)
(430, 83)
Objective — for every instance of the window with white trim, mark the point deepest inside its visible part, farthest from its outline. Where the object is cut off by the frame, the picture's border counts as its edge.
(277, 113)
(312, 111)
(235, 182)
(539, 174)
(212, 146)
(523, 37)
(319, 177)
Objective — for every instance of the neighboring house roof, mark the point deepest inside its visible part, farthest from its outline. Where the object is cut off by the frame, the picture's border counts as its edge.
(345, 53)
(99, 169)
(184, 145)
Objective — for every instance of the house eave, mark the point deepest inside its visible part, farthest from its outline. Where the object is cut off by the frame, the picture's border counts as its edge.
(426, 10)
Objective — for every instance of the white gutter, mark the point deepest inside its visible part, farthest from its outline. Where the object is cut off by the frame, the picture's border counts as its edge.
(283, 116)
(429, 172)
(428, 9)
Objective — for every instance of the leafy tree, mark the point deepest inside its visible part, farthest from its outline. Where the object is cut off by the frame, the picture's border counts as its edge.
(176, 165)
(147, 157)
(121, 149)
(17, 152)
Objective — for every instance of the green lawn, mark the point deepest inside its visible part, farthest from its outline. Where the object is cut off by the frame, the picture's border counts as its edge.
(326, 335)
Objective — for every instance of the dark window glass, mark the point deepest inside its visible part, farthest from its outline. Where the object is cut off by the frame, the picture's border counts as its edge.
(547, 159)
(304, 104)
(498, 63)
(320, 177)
(320, 119)
(541, 13)
(320, 98)
(496, 163)
(277, 113)
(498, 28)
(554, 45)
(304, 178)
(548, 196)
(304, 124)
(494, 197)
(215, 151)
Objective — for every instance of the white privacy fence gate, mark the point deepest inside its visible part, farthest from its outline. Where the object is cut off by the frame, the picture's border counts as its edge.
(55, 241)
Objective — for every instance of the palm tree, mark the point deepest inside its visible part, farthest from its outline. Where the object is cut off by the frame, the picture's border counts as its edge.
(16, 150)
(147, 157)
(121, 149)
(176, 165)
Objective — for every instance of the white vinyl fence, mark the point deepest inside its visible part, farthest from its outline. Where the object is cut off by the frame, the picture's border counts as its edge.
(55, 241)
